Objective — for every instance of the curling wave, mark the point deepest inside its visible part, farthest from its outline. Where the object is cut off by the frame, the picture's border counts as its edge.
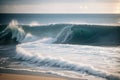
(84, 34)
(11, 34)
(89, 35)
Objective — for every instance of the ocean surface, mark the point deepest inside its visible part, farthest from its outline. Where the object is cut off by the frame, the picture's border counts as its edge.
(81, 46)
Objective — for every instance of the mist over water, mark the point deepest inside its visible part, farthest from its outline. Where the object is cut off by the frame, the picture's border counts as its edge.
(83, 51)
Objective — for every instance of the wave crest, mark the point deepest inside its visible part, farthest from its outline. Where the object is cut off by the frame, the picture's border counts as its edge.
(12, 33)
(40, 60)
(52, 62)
(17, 31)
(84, 34)
(89, 35)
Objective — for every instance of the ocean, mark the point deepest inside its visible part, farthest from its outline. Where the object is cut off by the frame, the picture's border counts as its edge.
(81, 46)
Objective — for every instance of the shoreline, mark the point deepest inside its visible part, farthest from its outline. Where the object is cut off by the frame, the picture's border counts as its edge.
(8, 74)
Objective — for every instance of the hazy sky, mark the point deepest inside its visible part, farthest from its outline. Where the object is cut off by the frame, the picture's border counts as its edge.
(60, 6)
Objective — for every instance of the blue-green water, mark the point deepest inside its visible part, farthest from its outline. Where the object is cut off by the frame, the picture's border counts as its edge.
(61, 18)
(82, 46)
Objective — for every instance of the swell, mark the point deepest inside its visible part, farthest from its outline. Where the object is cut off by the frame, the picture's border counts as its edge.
(83, 34)
(90, 35)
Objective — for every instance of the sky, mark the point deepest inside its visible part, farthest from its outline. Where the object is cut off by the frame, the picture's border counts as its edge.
(60, 6)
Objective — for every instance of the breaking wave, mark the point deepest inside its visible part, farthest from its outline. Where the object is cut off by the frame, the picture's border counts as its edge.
(90, 35)
(84, 34)
(52, 62)
(50, 46)
(13, 33)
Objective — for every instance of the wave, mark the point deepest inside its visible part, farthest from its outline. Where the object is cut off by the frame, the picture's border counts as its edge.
(52, 62)
(89, 35)
(23, 55)
(13, 33)
(83, 34)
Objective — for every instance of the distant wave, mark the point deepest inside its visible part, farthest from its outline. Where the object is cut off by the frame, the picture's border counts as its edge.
(84, 34)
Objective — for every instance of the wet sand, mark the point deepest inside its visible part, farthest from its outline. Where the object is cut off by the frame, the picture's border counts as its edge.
(5, 76)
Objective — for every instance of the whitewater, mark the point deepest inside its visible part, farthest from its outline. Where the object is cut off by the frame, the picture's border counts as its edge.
(80, 51)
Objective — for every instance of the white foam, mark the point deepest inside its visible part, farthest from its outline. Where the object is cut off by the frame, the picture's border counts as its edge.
(34, 23)
(77, 58)
(55, 61)
(46, 40)
(17, 31)
(29, 37)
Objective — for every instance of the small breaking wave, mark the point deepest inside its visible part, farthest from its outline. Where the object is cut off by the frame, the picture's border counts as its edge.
(53, 62)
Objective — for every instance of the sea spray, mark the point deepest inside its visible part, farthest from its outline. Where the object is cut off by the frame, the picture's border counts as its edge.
(17, 31)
